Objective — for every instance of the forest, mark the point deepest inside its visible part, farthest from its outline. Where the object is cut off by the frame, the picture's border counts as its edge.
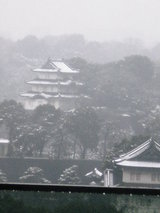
(123, 109)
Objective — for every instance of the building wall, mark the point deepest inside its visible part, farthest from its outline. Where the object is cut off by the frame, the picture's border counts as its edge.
(141, 176)
(46, 76)
(3, 149)
(44, 88)
(31, 104)
(108, 178)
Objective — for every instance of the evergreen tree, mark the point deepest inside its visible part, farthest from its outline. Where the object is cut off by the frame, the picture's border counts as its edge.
(34, 175)
(70, 176)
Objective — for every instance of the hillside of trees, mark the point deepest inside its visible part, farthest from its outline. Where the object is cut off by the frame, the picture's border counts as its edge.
(84, 133)
(122, 83)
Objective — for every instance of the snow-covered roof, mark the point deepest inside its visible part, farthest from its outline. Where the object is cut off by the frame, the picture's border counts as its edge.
(56, 66)
(125, 115)
(95, 172)
(42, 82)
(63, 67)
(46, 96)
(70, 82)
(46, 82)
(45, 70)
(29, 95)
(138, 150)
(141, 164)
(2, 141)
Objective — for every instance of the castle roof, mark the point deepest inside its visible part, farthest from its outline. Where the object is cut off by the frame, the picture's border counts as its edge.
(54, 66)
(124, 158)
(46, 95)
(141, 164)
(50, 82)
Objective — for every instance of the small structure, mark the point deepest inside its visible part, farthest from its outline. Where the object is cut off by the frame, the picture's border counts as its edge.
(94, 177)
(108, 178)
(56, 84)
(141, 166)
(4, 143)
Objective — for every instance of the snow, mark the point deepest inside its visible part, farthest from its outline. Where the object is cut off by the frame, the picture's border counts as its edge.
(126, 115)
(69, 96)
(70, 82)
(94, 172)
(31, 95)
(135, 152)
(44, 95)
(42, 82)
(141, 164)
(45, 70)
(54, 83)
(63, 67)
(2, 140)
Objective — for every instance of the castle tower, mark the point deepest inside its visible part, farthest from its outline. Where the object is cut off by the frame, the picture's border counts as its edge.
(56, 84)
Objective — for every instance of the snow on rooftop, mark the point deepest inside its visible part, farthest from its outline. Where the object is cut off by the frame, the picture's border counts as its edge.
(2, 140)
(45, 95)
(68, 96)
(135, 152)
(45, 70)
(94, 172)
(70, 82)
(126, 115)
(142, 164)
(64, 68)
(30, 95)
(42, 82)
(54, 82)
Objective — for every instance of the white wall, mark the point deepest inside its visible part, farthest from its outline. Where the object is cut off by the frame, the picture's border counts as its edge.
(44, 88)
(146, 176)
(47, 76)
(31, 104)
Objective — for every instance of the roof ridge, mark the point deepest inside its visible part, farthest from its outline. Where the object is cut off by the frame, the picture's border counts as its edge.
(132, 152)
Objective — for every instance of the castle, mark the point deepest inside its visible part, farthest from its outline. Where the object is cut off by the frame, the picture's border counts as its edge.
(55, 83)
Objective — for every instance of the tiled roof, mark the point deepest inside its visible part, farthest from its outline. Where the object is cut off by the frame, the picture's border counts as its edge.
(138, 150)
(141, 164)
(55, 66)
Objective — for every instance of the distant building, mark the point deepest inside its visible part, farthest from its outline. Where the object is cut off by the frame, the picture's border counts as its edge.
(56, 84)
(140, 167)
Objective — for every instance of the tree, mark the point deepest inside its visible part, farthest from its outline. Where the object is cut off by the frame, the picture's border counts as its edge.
(30, 140)
(13, 114)
(70, 176)
(141, 66)
(46, 115)
(84, 124)
(34, 175)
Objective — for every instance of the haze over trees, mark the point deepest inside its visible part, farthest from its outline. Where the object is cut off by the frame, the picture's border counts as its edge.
(121, 79)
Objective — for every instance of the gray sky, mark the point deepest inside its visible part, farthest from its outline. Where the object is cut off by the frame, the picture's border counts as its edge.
(99, 20)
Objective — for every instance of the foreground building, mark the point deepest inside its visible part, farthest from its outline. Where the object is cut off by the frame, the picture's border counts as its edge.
(138, 168)
(56, 84)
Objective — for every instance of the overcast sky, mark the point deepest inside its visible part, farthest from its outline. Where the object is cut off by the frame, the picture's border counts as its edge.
(100, 20)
